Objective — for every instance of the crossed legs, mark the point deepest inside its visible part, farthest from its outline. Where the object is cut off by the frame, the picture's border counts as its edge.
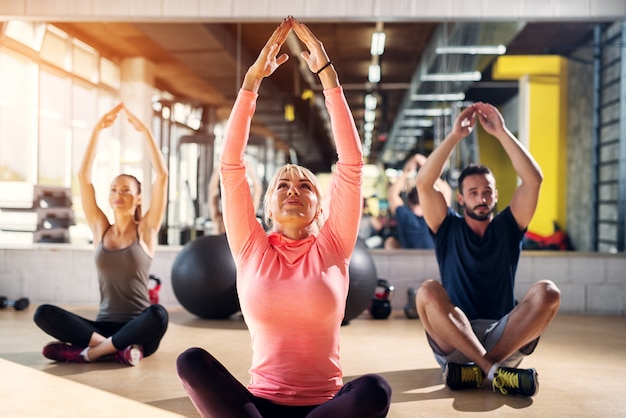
(451, 330)
(215, 392)
(104, 338)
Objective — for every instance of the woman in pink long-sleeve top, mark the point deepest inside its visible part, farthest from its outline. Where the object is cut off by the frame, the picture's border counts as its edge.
(292, 283)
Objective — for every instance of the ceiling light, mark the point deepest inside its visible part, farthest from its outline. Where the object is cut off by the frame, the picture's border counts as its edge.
(378, 43)
(418, 123)
(438, 97)
(411, 132)
(368, 127)
(369, 116)
(373, 74)
(427, 112)
(469, 76)
(472, 49)
(370, 101)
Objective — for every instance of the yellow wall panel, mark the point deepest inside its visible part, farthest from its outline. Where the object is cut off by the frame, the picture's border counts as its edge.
(543, 80)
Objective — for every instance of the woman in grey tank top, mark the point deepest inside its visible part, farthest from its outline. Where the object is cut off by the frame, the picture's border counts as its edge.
(127, 327)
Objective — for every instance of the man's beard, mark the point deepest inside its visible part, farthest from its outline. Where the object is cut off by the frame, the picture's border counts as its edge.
(479, 217)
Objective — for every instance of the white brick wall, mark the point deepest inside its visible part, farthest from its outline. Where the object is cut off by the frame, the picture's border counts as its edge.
(590, 283)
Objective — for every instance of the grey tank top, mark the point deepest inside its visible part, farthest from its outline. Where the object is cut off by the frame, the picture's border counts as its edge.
(123, 276)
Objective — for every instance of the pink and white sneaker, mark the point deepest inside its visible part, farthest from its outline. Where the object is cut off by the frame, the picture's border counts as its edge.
(131, 355)
(63, 353)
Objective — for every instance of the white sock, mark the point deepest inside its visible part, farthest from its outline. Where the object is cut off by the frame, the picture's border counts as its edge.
(492, 372)
(84, 354)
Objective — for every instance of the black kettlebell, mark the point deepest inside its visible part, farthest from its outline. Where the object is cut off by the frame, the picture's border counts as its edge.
(380, 307)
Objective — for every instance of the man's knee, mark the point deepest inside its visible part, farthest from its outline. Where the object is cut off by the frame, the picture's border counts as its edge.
(548, 294)
(430, 290)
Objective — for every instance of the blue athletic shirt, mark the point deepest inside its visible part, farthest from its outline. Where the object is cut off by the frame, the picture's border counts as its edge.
(479, 273)
(412, 229)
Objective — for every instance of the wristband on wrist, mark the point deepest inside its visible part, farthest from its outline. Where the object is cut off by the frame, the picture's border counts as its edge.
(324, 67)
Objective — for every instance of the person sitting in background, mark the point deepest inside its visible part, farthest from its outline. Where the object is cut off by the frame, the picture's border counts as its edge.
(412, 229)
(293, 282)
(127, 327)
(215, 199)
(370, 228)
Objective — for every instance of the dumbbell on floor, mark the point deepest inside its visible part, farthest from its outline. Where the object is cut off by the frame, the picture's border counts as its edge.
(19, 304)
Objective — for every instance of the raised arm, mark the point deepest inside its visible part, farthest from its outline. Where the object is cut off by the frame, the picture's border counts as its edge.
(96, 219)
(153, 216)
(432, 200)
(237, 205)
(315, 56)
(257, 187)
(393, 191)
(238, 125)
(440, 184)
(345, 133)
(214, 202)
(525, 198)
(345, 196)
(267, 62)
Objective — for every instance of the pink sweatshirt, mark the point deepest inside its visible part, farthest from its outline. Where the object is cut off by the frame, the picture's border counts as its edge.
(293, 292)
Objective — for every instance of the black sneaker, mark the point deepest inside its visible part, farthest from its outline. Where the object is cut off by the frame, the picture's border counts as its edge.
(463, 376)
(510, 381)
(410, 310)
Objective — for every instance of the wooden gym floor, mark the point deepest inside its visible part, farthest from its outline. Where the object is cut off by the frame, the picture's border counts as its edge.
(581, 361)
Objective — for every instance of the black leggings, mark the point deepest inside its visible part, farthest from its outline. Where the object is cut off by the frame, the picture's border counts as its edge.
(215, 392)
(147, 329)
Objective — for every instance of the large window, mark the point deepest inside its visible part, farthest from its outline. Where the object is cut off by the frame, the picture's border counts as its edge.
(55, 134)
(18, 112)
(50, 99)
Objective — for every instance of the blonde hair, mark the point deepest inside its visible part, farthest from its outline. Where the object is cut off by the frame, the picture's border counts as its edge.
(296, 171)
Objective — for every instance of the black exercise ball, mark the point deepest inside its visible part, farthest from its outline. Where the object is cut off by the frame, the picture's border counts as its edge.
(204, 278)
(363, 279)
